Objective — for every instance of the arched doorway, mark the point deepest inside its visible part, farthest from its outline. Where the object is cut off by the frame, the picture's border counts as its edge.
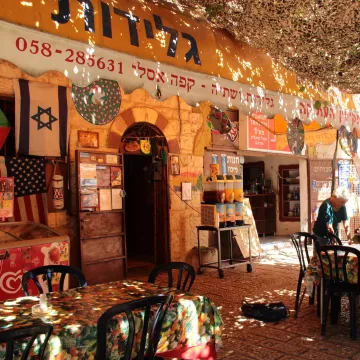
(146, 202)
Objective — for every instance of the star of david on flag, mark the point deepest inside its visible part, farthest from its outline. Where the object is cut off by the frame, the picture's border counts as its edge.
(41, 118)
(41, 124)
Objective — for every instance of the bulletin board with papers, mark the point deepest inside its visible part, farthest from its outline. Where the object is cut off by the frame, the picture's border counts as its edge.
(101, 214)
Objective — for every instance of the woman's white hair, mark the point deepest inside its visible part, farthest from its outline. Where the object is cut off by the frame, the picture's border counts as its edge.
(342, 193)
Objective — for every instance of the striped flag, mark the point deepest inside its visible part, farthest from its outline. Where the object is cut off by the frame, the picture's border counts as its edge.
(41, 118)
(29, 187)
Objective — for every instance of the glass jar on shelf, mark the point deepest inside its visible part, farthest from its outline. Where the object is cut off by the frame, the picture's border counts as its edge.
(229, 188)
(238, 189)
(214, 191)
(230, 215)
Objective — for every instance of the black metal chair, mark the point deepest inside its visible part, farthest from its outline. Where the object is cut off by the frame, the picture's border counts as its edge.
(336, 259)
(47, 272)
(24, 335)
(181, 267)
(333, 239)
(151, 338)
(301, 241)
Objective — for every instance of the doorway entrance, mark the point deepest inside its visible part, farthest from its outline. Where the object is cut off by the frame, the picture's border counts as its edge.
(146, 202)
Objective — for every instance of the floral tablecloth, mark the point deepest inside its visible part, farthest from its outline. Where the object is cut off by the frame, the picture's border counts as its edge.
(313, 272)
(190, 320)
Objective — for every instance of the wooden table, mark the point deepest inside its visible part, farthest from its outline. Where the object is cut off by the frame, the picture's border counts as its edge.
(192, 323)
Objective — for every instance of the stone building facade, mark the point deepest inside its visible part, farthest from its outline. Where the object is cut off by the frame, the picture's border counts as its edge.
(186, 133)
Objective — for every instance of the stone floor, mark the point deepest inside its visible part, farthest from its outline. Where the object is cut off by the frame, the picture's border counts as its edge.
(274, 278)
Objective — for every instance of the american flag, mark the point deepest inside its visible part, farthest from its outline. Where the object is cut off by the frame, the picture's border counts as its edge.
(29, 187)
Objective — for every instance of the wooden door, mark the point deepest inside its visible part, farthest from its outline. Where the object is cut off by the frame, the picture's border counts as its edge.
(161, 218)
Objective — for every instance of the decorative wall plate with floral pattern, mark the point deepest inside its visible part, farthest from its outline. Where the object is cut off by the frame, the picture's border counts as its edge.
(295, 136)
(348, 141)
(98, 103)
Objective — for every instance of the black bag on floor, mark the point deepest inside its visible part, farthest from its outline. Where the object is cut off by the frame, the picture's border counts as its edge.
(265, 312)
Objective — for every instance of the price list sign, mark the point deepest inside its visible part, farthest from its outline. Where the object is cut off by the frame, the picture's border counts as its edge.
(320, 185)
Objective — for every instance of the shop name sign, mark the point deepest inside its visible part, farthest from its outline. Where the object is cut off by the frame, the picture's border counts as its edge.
(36, 52)
(108, 13)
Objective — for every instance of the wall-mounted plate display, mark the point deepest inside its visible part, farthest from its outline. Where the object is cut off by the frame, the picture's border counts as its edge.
(98, 103)
(295, 136)
(348, 141)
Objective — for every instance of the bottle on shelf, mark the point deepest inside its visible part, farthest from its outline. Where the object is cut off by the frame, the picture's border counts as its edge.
(296, 210)
(214, 191)
(229, 189)
(238, 191)
(230, 215)
(221, 213)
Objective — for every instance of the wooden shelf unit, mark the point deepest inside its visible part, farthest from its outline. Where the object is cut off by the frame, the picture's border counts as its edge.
(286, 205)
(263, 207)
(102, 232)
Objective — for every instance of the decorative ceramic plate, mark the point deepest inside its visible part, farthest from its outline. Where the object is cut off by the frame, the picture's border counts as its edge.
(295, 136)
(218, 121)
(132, 146)
(98, 103)
(348, 141)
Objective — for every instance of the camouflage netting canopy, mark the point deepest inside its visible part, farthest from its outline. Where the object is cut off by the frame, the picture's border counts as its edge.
(317, 39)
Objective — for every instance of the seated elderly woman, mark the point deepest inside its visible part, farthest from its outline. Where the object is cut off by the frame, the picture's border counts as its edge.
(332, 212)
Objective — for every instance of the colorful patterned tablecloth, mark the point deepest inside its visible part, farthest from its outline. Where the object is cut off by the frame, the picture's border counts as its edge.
(314, 274)
(191, 320)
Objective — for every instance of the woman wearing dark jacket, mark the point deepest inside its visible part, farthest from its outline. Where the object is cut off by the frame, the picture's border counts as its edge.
(332, 212)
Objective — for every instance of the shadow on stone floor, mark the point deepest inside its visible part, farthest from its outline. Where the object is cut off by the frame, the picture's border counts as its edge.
(274, 278)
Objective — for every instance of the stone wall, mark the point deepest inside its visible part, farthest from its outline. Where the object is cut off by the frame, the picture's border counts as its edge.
(182, 126)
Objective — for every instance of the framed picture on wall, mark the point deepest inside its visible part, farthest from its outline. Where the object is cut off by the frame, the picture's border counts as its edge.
(175, 165)
(88, 139)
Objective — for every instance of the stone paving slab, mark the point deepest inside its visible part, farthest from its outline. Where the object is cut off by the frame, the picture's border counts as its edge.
(274, 278)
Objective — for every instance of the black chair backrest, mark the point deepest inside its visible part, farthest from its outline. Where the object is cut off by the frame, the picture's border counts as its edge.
(333, 239)
(149, 305)
(181, 267)
(24, 335)
(301, 241)
(336, 259)
(47, 273)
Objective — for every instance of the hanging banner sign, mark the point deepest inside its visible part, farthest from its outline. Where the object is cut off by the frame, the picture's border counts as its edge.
(320, 185)
(260, 137)
(36, 52)
(260, 134)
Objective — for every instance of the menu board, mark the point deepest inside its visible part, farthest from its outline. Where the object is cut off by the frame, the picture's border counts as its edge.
(261, 133)
(99, 174)
(222, 163)
(320, 185)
